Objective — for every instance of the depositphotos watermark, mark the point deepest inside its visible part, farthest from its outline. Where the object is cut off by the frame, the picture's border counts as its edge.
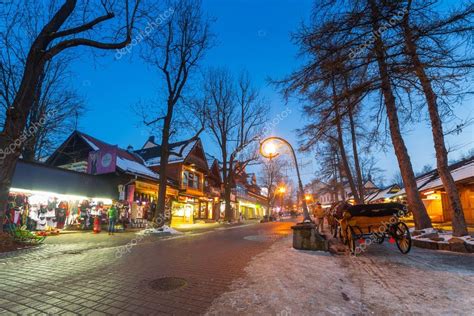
(27, 133)
(375, 34)
(126, 249)
(268, 128)
(150, 27)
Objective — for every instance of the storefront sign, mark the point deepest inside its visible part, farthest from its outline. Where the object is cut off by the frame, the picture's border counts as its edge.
(102, 161)
(171, 191)
(145, 187)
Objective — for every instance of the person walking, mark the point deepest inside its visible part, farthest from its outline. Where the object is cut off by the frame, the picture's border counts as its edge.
(112, 214)
(319, 215)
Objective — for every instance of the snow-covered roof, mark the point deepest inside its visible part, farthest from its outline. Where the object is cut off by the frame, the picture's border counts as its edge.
(383, 193)
(179, 152)
(126, 161)
(460, 171)
(135, 167)
(89, 142)
(463, 172)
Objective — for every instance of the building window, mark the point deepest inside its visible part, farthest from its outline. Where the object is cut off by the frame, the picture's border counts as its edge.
(191, 180)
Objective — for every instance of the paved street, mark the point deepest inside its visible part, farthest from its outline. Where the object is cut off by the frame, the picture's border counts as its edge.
(249, 270)
(381, 281)
(84, 279)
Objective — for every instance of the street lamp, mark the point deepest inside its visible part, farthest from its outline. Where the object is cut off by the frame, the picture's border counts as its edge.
(269, 149)
(282, 190)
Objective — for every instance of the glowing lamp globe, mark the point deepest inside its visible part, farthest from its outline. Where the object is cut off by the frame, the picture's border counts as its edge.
(268, 149)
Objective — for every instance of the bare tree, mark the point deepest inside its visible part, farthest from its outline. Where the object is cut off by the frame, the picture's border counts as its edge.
(235, 114)
(439, 55)
(66, 26)
(57, 106)
(175, 50)
(337, 27)
(54, 113)
(272, 174)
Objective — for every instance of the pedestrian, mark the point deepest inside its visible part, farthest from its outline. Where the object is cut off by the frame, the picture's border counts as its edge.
(319, 214)
(112, 214)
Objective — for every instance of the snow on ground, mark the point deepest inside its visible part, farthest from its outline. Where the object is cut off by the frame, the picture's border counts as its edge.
(446, 237)
(283, 281)
(162, 230)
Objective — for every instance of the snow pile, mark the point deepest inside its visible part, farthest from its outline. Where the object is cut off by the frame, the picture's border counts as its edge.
(164, 230)
(433, 235)
(382, 282)
(445, 238)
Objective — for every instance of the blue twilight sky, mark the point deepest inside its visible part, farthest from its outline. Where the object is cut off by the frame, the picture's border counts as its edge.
(252, 35)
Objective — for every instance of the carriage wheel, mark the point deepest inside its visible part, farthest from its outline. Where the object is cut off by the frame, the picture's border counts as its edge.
(351, 240)
(402, 237)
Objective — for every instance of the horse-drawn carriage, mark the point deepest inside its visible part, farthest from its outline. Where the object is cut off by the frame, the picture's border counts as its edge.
(370, 223)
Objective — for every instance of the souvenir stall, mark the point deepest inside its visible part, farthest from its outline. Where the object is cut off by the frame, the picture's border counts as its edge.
(51, 199)
(51, 212)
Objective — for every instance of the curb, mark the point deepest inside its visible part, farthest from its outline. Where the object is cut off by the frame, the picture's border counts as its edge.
(454, 247)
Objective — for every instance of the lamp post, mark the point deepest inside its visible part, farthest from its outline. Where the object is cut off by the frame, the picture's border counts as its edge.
(269, 149)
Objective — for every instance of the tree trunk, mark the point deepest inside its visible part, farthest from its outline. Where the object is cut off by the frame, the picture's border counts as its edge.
(16, 116)
(11, 139)
(28, 152)
(422, 220)
(165, 152)
(459, 223)
(228, 213)
(340, 185)
(360, 181)
(345, 162)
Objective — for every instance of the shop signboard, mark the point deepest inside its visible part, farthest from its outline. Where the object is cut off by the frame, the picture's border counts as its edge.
(102, 161)
(145, 187)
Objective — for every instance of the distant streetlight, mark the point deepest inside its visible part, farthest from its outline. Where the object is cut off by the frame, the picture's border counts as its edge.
(269, 149)
(281, 190)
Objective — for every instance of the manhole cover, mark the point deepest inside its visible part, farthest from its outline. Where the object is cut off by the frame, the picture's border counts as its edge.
(73, 252)
(168, 284)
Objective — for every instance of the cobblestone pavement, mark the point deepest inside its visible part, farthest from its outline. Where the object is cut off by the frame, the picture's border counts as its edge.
(91, 278)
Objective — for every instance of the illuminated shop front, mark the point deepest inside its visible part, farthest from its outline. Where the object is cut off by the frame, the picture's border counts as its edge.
(40, 210)
(250, 204)
(188, 210)
(251, 210)
(49, 198)
(182, 210)
(143, 197)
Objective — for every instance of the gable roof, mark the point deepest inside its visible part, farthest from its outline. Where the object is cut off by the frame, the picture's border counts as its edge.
(126, 161)
(460, 170)
(386, 193)
(179, 153)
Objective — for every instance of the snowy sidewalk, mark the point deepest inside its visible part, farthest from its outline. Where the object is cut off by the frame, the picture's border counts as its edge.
(283, 281)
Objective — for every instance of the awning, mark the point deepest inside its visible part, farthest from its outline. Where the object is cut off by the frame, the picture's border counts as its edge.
(40, 177)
